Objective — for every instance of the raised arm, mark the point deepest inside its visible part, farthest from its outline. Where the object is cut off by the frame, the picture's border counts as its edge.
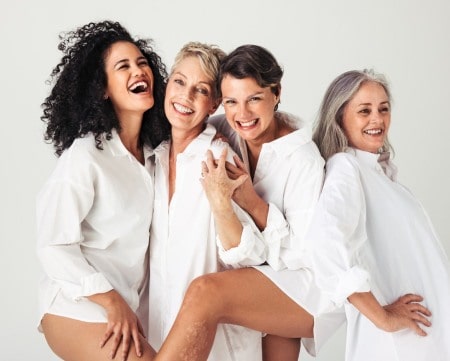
(239, 240)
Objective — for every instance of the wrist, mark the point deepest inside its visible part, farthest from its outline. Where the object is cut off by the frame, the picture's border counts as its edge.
(105, 299)
(221, 205)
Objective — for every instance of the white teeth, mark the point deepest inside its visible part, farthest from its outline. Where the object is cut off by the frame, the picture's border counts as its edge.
(182, 109)
(142, 84)
(373, 131)
(247, 124)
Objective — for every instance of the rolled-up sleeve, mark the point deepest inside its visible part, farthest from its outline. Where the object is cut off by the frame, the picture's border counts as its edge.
(251, 250)
(338, 232)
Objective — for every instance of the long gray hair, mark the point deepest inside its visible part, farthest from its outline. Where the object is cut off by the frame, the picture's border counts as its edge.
(328, 133)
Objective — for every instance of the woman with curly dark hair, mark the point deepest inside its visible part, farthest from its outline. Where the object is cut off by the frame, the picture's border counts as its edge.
(104, 115)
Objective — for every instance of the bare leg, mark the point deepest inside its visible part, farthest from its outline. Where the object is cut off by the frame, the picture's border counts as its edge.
(242, 297)
(74, 340)
(277, 348)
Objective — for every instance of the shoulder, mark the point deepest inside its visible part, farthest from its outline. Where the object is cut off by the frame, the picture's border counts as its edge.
(223, 128)
(81, 148)
(218, 120)
(307, 154)
(344, 164)
(79, 157)
(217, 147)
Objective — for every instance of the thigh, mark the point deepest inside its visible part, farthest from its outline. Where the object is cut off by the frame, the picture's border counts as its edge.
(248, 298)
(75, 340)
(277, 348)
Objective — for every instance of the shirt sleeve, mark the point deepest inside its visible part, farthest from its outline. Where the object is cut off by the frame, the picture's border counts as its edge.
(251, 250)
(284, 235)
(338, 231)
(222, 127)
(62, 205)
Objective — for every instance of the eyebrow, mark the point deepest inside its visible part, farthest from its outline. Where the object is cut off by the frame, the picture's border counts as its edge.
(121, 61)
(385, 102)
(184, 76)
(248, 97)
(126, 60)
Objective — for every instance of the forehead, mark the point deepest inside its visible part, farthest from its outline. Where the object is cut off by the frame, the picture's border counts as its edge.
(190, 66)
(370, 92)
(234, 87)
(122, 50)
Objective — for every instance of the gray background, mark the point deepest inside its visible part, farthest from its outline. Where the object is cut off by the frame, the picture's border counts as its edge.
(408, 40)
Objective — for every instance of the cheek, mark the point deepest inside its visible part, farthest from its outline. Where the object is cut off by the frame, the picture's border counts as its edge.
(229, 114)
(387, 123)
(229, 120)
(351, 133)
(169, 90)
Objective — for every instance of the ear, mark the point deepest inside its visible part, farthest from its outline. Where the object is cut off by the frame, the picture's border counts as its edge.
(279, 93)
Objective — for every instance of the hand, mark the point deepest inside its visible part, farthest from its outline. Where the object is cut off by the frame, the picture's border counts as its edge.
(218, 186)
(123, 325)
(245, 194)
(407, 312)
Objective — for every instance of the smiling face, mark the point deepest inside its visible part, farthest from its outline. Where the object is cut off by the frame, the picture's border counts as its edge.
(249, 108)
(129, 80)
(189, 97)
(367, 117)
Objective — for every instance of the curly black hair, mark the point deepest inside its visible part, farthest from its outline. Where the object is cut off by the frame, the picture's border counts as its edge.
(76, 104)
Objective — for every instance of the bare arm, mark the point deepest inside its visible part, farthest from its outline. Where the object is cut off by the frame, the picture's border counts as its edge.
(405, 312)
(219, 189)
(245, 195)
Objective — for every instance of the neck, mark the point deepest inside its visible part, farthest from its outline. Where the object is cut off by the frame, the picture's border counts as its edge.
(129, 135)
(181, 138)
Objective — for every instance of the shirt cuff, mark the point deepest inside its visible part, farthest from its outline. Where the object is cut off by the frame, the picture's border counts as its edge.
(276, 231)
(354, 280)
(93, 284)
(249, 252)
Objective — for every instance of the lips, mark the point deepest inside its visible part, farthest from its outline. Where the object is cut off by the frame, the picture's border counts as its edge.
(373, 131)
(138, 87)
(182, 109)
(248, 124)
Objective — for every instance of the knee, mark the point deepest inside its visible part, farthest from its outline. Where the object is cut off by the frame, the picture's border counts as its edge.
(204, 292)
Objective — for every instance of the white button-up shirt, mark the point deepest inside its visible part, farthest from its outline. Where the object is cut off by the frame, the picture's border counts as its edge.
(370, 233)
(289, 177)
(93, 218)
(183, 246)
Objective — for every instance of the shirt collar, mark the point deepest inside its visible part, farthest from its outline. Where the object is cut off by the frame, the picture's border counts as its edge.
(115, 144)
(292, 141)
(377, 160)
(198, 145)
(119, 150)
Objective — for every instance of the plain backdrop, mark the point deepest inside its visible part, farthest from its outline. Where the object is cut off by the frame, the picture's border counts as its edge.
(408, 40)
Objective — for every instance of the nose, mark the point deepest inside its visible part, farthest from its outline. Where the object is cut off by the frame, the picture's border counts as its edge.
(187, 93)
(137, 71)
(376, 117)
(243, 110)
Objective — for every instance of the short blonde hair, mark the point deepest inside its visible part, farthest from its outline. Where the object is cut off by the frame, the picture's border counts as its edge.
(328, 133)
(209, 56)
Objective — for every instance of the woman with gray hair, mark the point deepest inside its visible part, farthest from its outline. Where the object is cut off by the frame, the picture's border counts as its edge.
(373, 244)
